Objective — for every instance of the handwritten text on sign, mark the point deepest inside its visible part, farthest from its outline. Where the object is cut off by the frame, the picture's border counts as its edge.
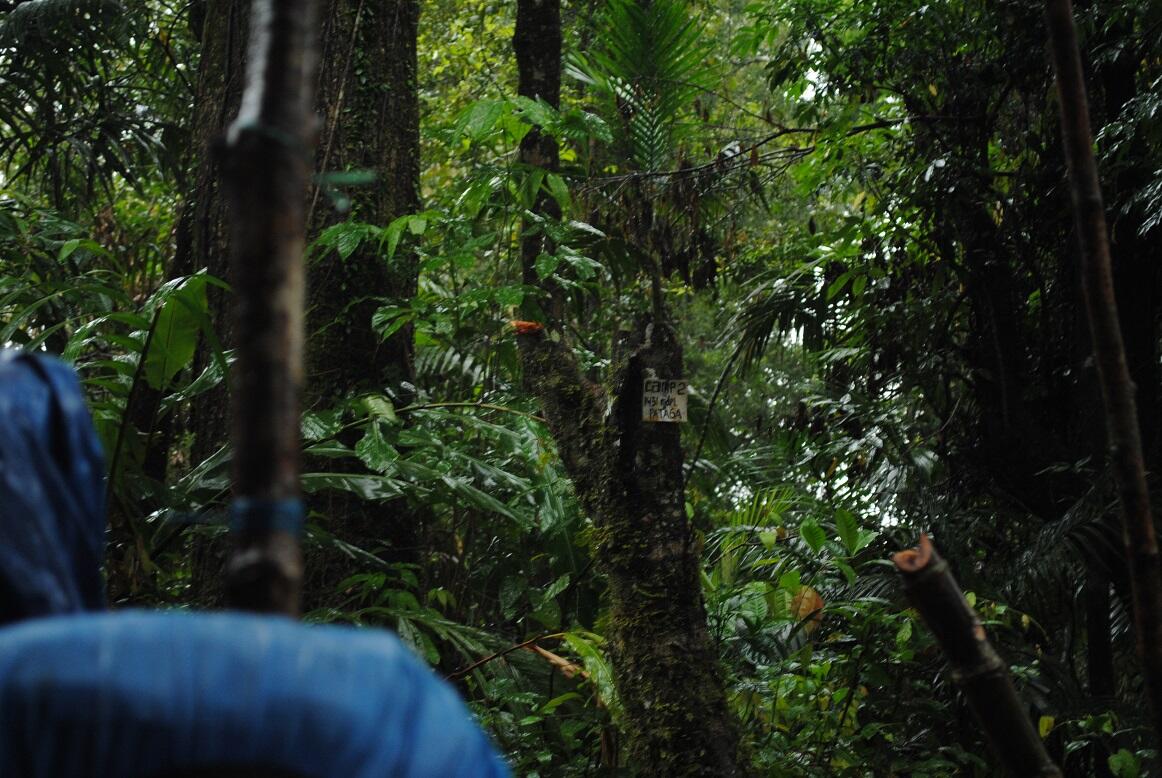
(664, 399)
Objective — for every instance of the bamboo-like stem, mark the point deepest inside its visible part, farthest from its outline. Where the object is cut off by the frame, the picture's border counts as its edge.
(976, 667)
(1141, 544)
(266, 169)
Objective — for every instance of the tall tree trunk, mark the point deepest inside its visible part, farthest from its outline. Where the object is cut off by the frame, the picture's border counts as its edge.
(1141, 545)
(628, 477)
(202, 234)
(369, 106)
(370, 111)
(537, 45)
(221, 27)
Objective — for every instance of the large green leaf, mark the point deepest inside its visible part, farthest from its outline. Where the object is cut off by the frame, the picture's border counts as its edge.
(178, 322)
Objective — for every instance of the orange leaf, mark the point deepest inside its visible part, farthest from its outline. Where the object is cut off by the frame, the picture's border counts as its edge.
(808, 603)
(567, 668)
(526, 327)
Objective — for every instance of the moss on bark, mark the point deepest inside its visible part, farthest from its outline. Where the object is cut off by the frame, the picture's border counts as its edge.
(628, 476)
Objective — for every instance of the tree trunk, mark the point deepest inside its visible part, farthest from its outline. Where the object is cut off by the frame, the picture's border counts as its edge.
(628, 477)
(203, 241)
(369, 106)
(537, 45)
(202, 234)
(370, 112)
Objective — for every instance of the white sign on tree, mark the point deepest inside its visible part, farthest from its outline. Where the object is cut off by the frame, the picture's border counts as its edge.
(664, 399)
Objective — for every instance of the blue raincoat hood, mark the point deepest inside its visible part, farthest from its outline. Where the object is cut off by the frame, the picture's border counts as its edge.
(52, 492)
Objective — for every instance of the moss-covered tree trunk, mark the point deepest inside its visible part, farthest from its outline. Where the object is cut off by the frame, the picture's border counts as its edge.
(628, 476)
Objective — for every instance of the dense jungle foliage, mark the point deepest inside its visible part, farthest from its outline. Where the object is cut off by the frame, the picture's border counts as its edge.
(853, 216)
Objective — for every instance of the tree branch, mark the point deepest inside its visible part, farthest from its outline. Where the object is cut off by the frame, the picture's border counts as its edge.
(977, 669)
(1141, 544)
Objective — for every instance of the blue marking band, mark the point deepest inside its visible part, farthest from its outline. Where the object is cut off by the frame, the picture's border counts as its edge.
(248, 514)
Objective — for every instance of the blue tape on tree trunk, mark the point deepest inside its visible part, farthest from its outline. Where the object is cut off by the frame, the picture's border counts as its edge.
(253, 515)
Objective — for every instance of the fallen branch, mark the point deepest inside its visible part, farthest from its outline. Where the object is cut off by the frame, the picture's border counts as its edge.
(568, 669)
(976, 667)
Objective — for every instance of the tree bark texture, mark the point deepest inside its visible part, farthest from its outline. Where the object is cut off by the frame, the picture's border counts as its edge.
(370, 111)
(976, 667)
(266, 169)
(537, 45)
(203, 233)
(628, 477)
(369, 106)
(1141, 545)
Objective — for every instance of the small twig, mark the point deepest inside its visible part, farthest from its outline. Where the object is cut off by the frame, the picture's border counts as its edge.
(710, 411)
(485, 406)
(485, 660)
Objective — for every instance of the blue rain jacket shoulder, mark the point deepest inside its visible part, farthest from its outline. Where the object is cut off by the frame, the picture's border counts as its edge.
(123, 695)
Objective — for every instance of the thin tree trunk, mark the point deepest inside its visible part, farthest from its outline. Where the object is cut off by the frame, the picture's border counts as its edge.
(976, 667)
(266, 168)
(628, 477)
(537, 45)
(1117, 388)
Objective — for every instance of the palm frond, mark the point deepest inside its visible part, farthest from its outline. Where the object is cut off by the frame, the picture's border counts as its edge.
(649, 67)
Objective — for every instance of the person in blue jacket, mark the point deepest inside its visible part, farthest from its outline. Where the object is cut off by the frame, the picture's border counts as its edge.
(138, 694)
